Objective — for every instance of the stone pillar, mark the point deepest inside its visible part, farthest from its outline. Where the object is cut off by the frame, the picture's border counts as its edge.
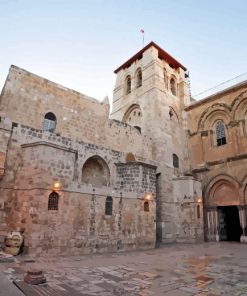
(92, 215)
(242, 219)
(209, 225)
(217, 236)
(212, 221)
(119, 241)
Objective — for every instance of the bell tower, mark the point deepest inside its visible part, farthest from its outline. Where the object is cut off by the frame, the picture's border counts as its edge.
(150, 94)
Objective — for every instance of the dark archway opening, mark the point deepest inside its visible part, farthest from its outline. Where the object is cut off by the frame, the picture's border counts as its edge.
(229, 223)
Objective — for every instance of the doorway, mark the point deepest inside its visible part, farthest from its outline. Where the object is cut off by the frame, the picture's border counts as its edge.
(229, 223)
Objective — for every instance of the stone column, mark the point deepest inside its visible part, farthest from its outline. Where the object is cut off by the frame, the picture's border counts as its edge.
(92, 215)
(242, 218)
(119, 241)
(217, 236)
(212, 220)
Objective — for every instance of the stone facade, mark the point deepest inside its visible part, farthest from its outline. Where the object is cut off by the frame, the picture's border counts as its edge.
(84, 155)
(221, 165)
(157, 109)
(76, 179)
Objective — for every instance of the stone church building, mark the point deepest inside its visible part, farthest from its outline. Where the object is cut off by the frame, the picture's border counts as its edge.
(75, 179)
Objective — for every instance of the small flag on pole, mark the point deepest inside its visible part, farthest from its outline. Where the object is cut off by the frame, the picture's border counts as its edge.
(142, 31)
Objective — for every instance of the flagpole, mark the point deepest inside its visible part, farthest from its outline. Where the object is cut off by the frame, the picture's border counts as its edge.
(142, 32)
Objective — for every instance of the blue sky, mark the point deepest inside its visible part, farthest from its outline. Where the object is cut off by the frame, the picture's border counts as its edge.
(80, 43)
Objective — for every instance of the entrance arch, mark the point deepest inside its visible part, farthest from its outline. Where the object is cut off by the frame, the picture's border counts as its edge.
(223, 214)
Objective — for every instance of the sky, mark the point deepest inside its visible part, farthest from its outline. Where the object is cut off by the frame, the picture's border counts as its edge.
(79, 43)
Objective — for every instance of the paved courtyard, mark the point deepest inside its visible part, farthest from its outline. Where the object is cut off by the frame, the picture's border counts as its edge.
(173, 270)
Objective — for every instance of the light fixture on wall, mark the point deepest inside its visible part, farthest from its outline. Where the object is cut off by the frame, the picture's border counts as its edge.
(148, 196)
(199, 200)
(56, 185)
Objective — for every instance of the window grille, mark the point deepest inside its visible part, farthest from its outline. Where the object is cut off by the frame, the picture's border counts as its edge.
(175, 161)
(53, 201)
(220, 133)
(108, 206)
(146, 206)
(49, 122)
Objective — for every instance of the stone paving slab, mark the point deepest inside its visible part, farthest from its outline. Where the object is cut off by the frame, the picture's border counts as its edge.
(7, 288)
(208, 269)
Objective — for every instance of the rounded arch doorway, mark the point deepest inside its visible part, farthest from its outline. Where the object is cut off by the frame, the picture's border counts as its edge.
(223, 211)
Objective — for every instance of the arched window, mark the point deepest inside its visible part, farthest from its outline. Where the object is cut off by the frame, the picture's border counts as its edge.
(49, 122)
(128, 85)
(220, 133)
(173, 86)
(146, 206)
(175, 160)
(108, 206)
(139, 78)
(53, 201)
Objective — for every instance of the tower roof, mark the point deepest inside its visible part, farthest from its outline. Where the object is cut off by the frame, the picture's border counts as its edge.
(162, 54)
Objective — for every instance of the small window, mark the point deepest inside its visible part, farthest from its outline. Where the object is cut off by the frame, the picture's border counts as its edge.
(108, 206)
(220, 133)
(173, 86)
(198, 212)
(49, 122)
(175, 160)
(53, 201)
(128, 85)
(139, 78)
(146, 206)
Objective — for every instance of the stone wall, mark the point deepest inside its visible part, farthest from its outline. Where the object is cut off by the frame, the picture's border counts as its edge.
(137, 177)
(35, 161)
(221, 168)
(26, 98)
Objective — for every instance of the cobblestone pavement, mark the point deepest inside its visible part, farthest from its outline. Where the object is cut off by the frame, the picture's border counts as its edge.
(206, 269)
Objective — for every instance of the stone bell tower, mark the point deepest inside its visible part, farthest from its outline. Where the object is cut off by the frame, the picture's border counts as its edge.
(150, 94)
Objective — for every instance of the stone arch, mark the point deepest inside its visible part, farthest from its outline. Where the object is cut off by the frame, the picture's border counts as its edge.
(222, 190)
(237, 105)
(240, 110)
(212, 114)
(173, 113)
(133, 116)
(95, 171)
